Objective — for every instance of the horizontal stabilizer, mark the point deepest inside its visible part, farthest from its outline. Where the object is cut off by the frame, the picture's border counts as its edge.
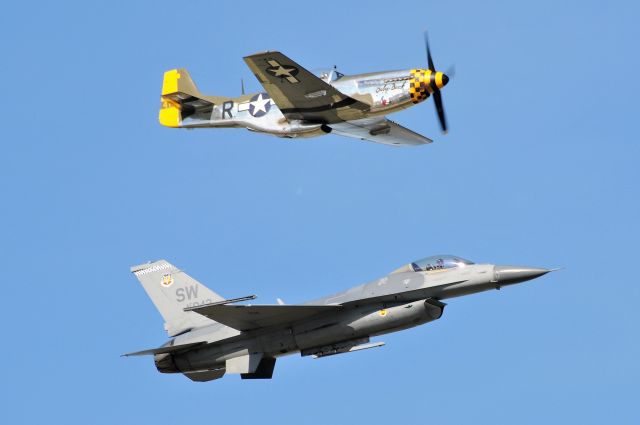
(165, 350)
(248, 317)
(181, 100)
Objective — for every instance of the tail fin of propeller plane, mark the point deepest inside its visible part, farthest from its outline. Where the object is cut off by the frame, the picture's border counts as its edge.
(172, 290)
(181, 99)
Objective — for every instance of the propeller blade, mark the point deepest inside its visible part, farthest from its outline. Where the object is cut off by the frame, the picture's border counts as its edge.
(437, 99)
(437, 96)
(429, 59)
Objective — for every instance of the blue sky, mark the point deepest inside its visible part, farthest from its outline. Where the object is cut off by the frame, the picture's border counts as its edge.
(540, 168)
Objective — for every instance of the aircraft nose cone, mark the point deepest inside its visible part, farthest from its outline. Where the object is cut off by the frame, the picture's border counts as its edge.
(441, 79)
(445, 80)
(507, 275)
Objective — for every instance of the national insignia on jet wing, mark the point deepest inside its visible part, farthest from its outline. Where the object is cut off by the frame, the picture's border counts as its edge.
(167, 280)
(285, 72)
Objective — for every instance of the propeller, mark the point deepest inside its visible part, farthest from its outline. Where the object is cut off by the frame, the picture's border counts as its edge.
(451, 72)
(437, 96)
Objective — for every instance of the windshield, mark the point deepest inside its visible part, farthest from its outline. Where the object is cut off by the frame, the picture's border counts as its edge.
(439, 262)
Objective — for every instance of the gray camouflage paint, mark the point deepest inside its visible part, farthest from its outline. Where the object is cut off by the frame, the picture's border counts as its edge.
(403, 299)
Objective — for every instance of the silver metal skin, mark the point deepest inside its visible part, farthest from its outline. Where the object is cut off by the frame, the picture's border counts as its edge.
(386, 92)
(213, 337)
(299, 104)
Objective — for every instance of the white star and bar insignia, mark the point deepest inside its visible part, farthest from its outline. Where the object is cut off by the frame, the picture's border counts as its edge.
(285, 72)
(258, 106)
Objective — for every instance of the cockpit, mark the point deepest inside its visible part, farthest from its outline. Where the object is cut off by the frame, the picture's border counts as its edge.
(328, 75)
(434, 263)
(439, 262)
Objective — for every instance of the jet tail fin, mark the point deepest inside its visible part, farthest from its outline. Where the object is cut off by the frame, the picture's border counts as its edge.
(172, 290)
(181, 99)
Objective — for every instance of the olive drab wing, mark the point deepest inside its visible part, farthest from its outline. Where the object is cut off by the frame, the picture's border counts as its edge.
(299, 94)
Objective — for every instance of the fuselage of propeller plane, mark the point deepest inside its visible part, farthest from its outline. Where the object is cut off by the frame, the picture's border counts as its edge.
(297, 103)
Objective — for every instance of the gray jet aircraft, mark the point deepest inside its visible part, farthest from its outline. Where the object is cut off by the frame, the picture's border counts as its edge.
(212, 336)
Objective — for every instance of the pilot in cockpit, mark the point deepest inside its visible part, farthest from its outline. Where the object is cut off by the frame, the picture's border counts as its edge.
(329, 75)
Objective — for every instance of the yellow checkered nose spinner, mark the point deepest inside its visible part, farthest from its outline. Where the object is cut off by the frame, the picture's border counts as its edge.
(424, 82)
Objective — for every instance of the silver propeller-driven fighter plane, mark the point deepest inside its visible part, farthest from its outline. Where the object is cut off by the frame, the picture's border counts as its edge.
(297, 103)
(212, 336)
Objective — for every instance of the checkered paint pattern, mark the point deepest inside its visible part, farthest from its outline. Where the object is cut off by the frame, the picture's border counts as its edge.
(420, 85)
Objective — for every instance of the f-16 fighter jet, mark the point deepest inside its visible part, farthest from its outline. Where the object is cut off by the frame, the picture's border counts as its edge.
(297, 103)
(213, 336)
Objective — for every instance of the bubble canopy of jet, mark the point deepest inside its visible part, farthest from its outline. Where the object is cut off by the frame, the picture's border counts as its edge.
(438, 262)
(213, 336)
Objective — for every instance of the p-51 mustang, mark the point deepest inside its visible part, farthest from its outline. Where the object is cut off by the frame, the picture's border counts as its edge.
(298, 103)
(213, 337)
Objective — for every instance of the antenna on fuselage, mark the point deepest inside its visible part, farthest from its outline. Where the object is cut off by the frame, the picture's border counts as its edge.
(242, 85)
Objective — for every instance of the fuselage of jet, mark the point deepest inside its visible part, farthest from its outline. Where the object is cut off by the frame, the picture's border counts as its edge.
(408, 297)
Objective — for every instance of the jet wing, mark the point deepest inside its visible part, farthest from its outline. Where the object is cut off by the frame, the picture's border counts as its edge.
(166, 349)
(300, 94)
(248, 317)
(379, 130)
